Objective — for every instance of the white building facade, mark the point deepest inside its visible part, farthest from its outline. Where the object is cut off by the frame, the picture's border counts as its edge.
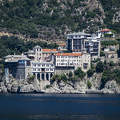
(73, 60)
(43, 71)
(44, 63)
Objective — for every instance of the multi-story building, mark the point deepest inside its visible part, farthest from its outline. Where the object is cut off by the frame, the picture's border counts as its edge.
(111, 55)
(70, 61)
(43, 71)
(39, 54)
(75, 41)
(19, 66)
(105, 33)
(79, 42)
(92, 46)
(44, 63)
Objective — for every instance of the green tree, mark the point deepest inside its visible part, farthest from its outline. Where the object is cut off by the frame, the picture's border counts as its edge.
(70, 74)
(100, 67)
(31, 79)
(55, 78)
(90, 72)
(107, 76)
(64, 77)
(78, 72)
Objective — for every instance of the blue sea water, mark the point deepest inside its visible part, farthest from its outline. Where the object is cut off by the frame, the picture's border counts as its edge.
(59, 107)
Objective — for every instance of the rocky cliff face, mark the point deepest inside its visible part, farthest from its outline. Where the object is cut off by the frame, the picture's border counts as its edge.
(82, 86)
(52, 19)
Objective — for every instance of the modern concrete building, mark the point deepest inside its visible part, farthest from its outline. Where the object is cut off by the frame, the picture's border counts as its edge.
(80, 42)
(92, 46)
(75, 41)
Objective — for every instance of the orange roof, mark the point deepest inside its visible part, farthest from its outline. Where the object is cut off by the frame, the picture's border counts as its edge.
(49, 50)
(68, 54)
(105, 30)
(62, 44)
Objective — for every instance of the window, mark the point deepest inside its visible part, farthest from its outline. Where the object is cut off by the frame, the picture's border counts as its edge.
(28, 63)
(85, 65)
(38, 64)
(47, 65)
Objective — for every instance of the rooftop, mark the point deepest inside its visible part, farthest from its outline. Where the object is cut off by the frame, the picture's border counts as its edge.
(79, 33)
(15, 58)
(105, 30)
(68, 54)
(49, 50)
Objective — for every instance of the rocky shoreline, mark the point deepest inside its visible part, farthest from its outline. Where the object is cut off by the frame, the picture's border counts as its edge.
(79, 87)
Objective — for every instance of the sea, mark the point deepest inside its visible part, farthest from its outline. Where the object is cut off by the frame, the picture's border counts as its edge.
(59, 107)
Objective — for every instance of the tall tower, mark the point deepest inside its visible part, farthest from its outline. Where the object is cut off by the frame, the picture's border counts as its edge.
(38, 53)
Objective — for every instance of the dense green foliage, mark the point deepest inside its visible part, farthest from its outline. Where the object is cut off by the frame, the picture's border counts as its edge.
(109, 72)
(29, 17)
(100, 67)
(90, 72)
(1, 70)
(13, 45)
(79, 73)
(111, 7)
(107, 76)
(107, 43)
(110, 75)
(59, 78)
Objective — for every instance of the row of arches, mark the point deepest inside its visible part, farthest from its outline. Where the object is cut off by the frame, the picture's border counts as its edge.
(43, 76)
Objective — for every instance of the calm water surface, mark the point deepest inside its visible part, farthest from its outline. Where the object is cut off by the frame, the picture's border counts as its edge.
(59, 107)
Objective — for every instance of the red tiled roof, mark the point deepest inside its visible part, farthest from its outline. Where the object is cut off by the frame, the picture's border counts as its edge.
(62, 44)
(49, 50)
(105, 30)
(68, 54)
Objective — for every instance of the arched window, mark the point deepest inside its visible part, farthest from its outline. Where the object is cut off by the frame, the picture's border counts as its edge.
(43, 76)
(38, 76)
(47, 76)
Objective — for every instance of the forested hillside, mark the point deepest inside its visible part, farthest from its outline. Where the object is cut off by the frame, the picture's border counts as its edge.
(13, 45)
(52, 19)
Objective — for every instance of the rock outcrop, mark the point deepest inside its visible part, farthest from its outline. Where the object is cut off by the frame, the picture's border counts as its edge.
(111, 87)
(81, 86)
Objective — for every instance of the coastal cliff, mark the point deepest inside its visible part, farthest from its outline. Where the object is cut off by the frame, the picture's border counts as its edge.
(82, 86)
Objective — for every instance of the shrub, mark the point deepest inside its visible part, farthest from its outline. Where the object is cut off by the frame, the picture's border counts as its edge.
(64, 77)
(48, 86)
(31, 79)
(107, 76)
(70, 74)
(112, 63)
(90, 73)
(99, 67)
(78, 72)
(102, 53)
(89, 85)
